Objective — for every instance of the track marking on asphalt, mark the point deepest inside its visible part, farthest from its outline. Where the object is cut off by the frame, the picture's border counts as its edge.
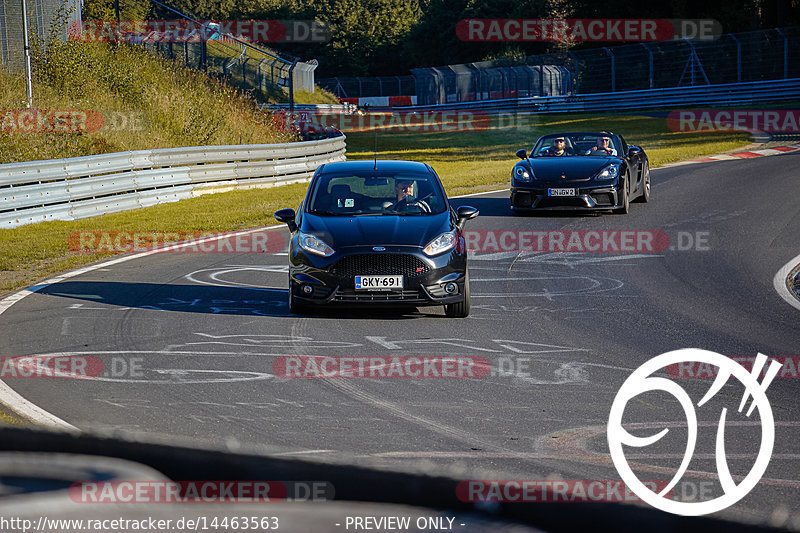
(573, 445)
(269, 340)
(221, 271)
(27, 409)
(779, 282)
(181, 376)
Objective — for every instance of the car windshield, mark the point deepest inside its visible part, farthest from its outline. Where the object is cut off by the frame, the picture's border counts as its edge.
(376, 194)
(576, 144)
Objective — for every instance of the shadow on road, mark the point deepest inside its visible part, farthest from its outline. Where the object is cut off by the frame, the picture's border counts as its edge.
(210, 299)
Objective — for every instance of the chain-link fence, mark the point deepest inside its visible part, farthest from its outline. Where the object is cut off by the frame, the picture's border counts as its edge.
(41, 14)
(735, 57)
(489, 80)
(241, 63)
(732, 58)
(372, 86)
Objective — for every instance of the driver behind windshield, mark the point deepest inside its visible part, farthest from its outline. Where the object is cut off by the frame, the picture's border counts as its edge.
(603, 145)
(558, 147)
(404, 197)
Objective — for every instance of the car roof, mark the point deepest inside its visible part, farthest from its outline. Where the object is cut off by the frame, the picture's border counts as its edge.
(381, 165)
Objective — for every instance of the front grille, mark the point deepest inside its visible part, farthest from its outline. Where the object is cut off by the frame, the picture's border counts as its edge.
(377, 264)
(350, 295)
(562, 201)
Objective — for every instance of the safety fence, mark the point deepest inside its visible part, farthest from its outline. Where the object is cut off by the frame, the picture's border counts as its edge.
(731, 58)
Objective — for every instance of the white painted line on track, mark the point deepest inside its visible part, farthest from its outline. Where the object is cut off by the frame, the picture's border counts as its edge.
(478, 193)
(779, 282)
(27, 409)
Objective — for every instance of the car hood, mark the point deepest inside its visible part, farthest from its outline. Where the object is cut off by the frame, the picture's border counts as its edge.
(376, 230)
(576, 167)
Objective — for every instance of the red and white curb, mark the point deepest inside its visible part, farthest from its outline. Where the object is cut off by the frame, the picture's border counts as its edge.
(751, 154)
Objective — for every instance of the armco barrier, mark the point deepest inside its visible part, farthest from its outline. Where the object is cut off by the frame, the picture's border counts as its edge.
(732, 94)
(80, 187)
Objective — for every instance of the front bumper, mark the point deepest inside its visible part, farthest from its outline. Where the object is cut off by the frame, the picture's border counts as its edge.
(331, 280)
(599, 197)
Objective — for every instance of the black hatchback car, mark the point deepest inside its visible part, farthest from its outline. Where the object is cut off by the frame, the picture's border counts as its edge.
(377, 232)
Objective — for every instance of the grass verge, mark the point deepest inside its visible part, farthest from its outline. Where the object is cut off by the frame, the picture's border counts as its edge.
(466, 162)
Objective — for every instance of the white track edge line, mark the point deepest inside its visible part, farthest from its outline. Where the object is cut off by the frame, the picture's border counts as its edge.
(28, 410)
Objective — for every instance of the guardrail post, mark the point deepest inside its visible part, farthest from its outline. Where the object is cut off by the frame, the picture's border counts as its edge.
(785, 53)
(541, 76)
(574, 72)
(649, 53)
(291, 87)
(613, 70)
(738, 58)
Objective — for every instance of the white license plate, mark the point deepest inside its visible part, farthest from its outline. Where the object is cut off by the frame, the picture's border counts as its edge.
(379, 283)
(561, 192)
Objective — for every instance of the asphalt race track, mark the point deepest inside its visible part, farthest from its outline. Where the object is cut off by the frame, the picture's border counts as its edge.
(188, 342)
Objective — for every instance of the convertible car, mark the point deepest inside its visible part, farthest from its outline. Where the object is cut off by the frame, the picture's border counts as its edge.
(580, 170)
(377, 232)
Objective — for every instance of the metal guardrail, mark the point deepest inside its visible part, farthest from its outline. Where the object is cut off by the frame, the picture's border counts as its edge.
(732, 94)
(80, 187)
(319, 108)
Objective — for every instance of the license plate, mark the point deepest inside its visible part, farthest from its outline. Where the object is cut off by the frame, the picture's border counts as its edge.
(561, 192)
(379, 283)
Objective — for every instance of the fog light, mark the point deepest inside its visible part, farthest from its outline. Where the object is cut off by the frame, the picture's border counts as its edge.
(451, 288)
(308, 289)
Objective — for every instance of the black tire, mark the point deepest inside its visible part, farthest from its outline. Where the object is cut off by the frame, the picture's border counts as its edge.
(626, 206)
(295, 307)
(645, 197)
(460, 309)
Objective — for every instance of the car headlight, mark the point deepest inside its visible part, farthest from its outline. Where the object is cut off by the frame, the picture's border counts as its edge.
(610, 172)
(313, 245)
(521, 174)
(442, 243)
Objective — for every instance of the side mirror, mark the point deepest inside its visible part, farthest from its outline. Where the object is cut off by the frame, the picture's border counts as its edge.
(522, 154)
(634, 150)
(286, 216)
(466, 212)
